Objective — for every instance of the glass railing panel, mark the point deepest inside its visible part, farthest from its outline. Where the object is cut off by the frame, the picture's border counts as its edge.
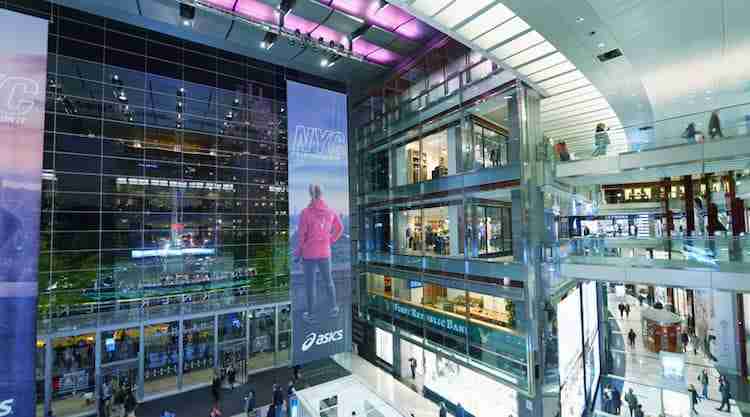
(698, 129)
(728, 254)
(496, 269)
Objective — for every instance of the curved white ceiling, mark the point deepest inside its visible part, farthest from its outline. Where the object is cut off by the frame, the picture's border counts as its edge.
(574, 105)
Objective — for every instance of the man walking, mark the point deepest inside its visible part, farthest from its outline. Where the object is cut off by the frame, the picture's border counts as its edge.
(726, 394)
(703, 379)
(631, 339)
(627, 311)
(632, 401)
(278, 400)
(616, 400)
(621, 307)
(693, 398)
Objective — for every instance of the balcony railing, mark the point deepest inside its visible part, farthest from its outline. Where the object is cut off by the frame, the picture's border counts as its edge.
(133, 312)
(498, 270)
(688, 129)
(726, 254)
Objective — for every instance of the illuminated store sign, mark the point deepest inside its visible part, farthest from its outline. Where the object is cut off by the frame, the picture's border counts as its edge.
(436, 320)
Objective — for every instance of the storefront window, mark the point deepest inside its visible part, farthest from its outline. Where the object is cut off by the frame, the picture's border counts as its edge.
(285, 334)
(120, 345)
(490, 231)
(410, 165)
(73, 375)
(433, 231)
(198, 345)
(232, 326)
(262, 328)
(162, 352)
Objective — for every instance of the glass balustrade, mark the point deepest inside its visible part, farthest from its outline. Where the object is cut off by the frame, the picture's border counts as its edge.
(729, 254)
(700, 130)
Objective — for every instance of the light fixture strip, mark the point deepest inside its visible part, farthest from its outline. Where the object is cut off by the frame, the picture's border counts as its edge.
(281, 31)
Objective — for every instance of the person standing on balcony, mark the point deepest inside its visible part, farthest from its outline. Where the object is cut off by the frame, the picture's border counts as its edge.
(714, 126)
(601, 140)
(692, 134)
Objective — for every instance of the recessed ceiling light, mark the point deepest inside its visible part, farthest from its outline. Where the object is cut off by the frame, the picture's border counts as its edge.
(601, 45)
(579, 19)
(708, 91)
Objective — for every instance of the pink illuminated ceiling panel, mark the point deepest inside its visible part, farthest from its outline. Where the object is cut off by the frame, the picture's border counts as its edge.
(255, 10)
(362, 47)
(388, 17)
(384, 56)
(356, 8)
(224, 4)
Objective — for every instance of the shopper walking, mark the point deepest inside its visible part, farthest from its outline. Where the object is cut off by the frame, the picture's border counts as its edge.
(627, 311)
(693, 398)
(726, 394)
(250, 404)
(460, 412)
(631, 338)
(231, 376)
(216, 387)
(443, 410)
(319, 227)
(703, 379)
(621, 307)
(413, 367)
(685, 341)
(632, 401)
(278, 400)
(714, 125)
(607, 394)
(639, 411)
(616, 400)
(601, 140)
(130, 404)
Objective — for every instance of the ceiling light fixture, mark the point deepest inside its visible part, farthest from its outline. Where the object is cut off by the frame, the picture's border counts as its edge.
(187, 14)
(580, 19)
(378, 5)
(269, 39)
(601, 44)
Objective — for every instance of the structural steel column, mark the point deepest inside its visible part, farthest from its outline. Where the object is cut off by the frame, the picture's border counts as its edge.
(98, 371)
(531, 232)
(689, 197)
(141, 362)
(217, 363)
(180, 353)
(48, 375)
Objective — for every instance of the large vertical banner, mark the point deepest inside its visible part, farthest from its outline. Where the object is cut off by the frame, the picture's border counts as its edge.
(318, 222)
(23, 68)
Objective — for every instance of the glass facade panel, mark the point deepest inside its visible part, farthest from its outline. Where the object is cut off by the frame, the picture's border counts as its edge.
(161, 358)
(73, 365)
(120, 345)
(198, 351)
(262, 329)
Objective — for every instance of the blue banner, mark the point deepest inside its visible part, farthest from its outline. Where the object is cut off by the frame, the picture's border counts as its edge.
(23, 68)
(320, 282)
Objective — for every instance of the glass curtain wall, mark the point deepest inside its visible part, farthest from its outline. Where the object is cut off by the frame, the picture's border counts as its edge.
(164, 193)
(164, 171)
(424, 149)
